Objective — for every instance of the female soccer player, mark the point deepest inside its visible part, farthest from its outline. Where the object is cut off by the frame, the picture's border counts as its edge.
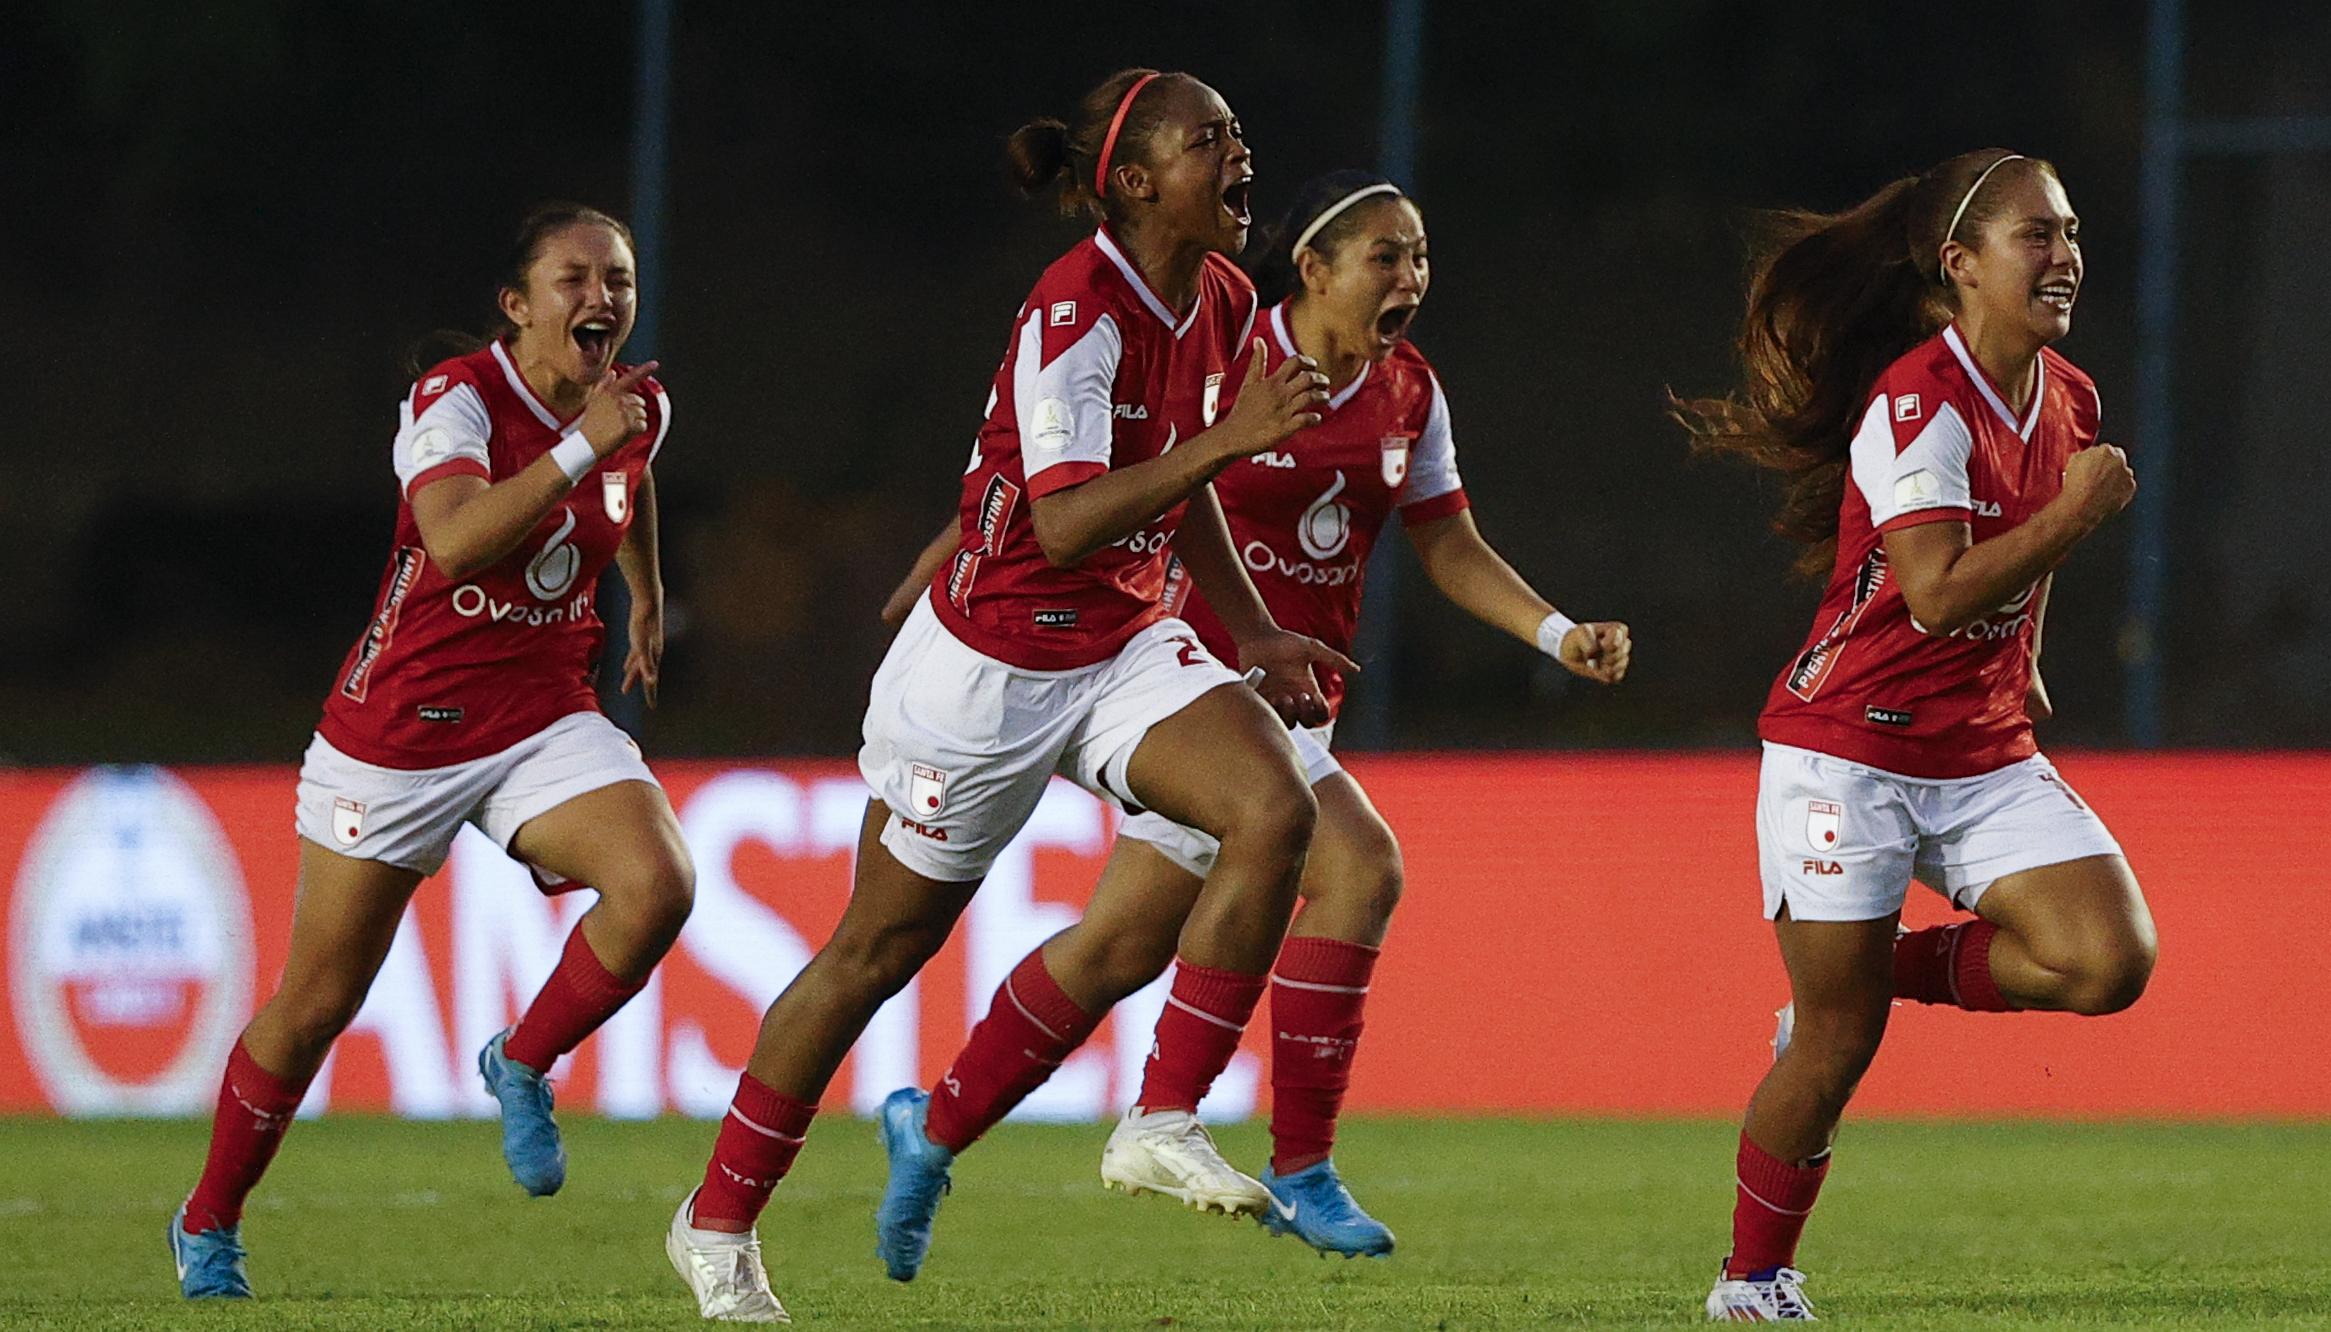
(1350, 262)
(1045, 648)
(523, 468)
(1898, 370)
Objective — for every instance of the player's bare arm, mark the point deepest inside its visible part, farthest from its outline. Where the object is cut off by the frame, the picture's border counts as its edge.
(910, 589)
(468, 524)
(640, 558)
(1073, 523)
(2036, 703)
(1949, 579)
(1469, 572)
(1285, 659)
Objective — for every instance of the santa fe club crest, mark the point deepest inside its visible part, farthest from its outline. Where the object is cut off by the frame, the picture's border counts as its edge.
(926, 789)
(1824, 824)
(1395, 455)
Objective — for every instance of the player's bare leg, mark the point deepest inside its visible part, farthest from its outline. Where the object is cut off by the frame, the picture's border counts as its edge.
(342, 924)
(1841, 980)
(2074, 937)
(623, 841)
(1224, 766)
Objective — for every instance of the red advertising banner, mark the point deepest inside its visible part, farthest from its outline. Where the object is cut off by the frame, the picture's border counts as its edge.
(1580, 934)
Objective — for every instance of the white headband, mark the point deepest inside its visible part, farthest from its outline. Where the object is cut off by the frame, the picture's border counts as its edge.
(1969, 198)
(1304, 238)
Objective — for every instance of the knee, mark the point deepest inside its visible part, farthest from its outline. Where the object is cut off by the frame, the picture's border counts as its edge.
(309, 1022)
(1276, 820)
(1361, 875)
(1120, 962)
(2108, 979)
(1834, 1049)
(873, 965)
(655, 892)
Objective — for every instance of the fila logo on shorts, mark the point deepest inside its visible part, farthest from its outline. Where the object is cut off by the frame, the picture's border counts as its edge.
(926, 789)
(347, 820)
(1824, 822)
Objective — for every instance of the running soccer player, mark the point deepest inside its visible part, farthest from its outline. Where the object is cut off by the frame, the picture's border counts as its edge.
(1350, 264)
(523, 468)
(1943, 461)
(1046, 648)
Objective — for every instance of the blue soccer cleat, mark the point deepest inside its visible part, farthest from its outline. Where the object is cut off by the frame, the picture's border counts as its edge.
(537, 1160)
(918, 1176)
(1313, 1205)
(210, 1265)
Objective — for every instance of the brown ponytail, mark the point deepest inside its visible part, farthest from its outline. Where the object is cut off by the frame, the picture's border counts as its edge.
(1833, 299)
(1045, 152)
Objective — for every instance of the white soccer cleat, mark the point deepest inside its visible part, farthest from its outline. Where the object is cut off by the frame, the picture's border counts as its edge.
(723, 1271)
(1776, 1295)
(1170, 1152)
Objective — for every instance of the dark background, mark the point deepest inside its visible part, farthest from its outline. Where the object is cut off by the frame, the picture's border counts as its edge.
(225, 222)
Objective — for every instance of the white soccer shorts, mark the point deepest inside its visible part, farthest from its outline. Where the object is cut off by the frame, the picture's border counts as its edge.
(1193, 850)
(408, 817)
(1838, 840)
(960, 745)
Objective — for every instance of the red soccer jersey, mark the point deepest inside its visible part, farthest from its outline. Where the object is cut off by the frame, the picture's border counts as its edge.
(1938, 444)
(1304, 516)
(1100, 374)
(451, 671)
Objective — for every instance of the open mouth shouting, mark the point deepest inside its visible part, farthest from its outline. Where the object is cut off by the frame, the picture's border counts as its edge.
(595, 345)
(1392, 324)
(1235, 201)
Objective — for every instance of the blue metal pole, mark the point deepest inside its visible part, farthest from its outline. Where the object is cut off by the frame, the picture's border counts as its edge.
(651, 141)
(2155, 441)
(1367, 723)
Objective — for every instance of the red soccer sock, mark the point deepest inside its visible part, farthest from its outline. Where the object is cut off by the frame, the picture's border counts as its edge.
(759, 1137)
(580, 995)
(1031, 1025)
(1205, 1012)
(1317, 991)
(1949, 964)
(254, 1111)
(1775, 1197)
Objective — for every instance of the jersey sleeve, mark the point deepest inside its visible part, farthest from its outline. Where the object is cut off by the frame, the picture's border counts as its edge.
(1909, 460)
(1066, 364)
(1432, 489)
(663, 402)
(443, 429)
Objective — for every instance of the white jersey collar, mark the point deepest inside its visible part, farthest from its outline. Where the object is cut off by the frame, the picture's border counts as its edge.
(1991, 395)
(525, 390)
(1286, 339)
(1108, 246)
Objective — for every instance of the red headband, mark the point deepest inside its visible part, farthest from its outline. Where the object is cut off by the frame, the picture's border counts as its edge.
(1109, 145)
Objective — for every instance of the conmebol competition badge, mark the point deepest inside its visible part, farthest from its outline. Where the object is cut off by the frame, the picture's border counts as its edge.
(131, 946)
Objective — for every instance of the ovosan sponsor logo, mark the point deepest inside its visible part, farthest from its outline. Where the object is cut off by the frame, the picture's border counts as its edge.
(131, 945)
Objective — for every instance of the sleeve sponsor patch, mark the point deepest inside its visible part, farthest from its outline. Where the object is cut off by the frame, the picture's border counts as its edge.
(1906, 407)
(1052, 424)
(1921, 489)
(1063, 313)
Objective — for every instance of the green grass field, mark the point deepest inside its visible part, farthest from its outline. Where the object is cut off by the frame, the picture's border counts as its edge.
(1502, 1223)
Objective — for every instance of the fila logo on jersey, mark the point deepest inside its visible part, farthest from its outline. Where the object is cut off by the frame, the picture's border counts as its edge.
(347, 820)
(1906, 407)
(1273, 460)
(433, 384)
(1213, 397)
(926, 790)
(1987, 508)
(1824, 823)
(1131, 411)
(1886, 716)
(1063, 313)
(1056, 619)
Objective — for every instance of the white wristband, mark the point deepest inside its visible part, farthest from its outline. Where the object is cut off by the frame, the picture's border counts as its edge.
(1551, 632)
(575, 457)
